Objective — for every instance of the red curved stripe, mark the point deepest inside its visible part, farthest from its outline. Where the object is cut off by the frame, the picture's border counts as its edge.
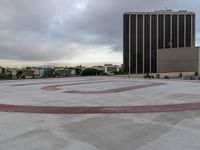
(99, 110)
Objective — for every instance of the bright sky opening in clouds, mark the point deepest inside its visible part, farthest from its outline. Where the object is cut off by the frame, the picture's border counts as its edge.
(88, 32)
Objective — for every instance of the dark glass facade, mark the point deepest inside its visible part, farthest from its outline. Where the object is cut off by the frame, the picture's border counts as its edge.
(151, 31)
(181, 30)
(188, 30)
(174, 31)
(193, 29)
(167, 31)
(126, 43)
(153, 42)
(160, 30)
(147, 43)
(133, 44)
(140, 44)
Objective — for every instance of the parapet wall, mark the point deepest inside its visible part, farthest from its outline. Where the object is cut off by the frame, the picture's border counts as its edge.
(178, 60)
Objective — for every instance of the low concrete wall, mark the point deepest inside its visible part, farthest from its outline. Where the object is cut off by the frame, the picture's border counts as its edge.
(161, 75)
(175, 74)
(178, 60)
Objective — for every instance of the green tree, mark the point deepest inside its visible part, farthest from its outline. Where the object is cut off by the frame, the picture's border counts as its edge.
(91, 72)
(78, 71)
(3, 73)
(120, 72)
(49, 72)
(19, 73)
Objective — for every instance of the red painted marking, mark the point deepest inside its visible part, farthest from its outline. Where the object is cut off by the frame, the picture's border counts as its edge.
(116, 90)
(37, 83)
(100, 110)
(55, 87)
(7, 81)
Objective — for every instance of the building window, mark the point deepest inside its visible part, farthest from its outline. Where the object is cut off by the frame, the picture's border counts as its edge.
(160, 31)
(126, 42)
(147, 43)
(167, 32)
(140, 44)
(153, 43)
(181, 30)
(188, 30)
(174, 31)
(133, 43)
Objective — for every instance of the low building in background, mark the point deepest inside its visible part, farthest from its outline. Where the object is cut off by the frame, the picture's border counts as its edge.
(110, 68)
(14, 73)
(98, 67)
(73, 72)
(38, 73)
(65, 72)
(26, 74)
(8, 73)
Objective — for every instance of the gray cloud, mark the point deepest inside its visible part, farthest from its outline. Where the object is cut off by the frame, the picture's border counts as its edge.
(47, 30)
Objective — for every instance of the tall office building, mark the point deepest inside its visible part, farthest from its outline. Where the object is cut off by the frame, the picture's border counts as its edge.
(145, 32)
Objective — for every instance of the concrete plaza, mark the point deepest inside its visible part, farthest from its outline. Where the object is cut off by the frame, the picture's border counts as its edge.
(99, 113)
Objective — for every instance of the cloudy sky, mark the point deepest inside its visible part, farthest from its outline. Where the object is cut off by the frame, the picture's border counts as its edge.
(71, 32)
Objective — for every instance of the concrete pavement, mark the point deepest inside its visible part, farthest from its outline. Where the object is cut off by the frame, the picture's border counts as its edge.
(120, 129)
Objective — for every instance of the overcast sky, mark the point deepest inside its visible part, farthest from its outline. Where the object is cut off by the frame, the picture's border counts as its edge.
(71, 32)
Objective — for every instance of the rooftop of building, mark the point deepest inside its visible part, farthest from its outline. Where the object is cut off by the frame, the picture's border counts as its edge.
(99, 113)
(167, 11)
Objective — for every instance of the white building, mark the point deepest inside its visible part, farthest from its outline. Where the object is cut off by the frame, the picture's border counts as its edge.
(38, 73)
(73, 72)
(14, 73)
(99, 67)
(110, 68)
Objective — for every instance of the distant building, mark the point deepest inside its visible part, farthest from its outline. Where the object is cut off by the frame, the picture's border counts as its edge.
(146, 32)
(73, 72)
(14, 73)
(65, 72)
(27, 74)
(38, 73)
(110, 68)
(62, 73)
(98, 67)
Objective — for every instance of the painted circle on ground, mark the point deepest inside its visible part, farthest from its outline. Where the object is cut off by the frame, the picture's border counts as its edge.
(107, 91)
(97, 109)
